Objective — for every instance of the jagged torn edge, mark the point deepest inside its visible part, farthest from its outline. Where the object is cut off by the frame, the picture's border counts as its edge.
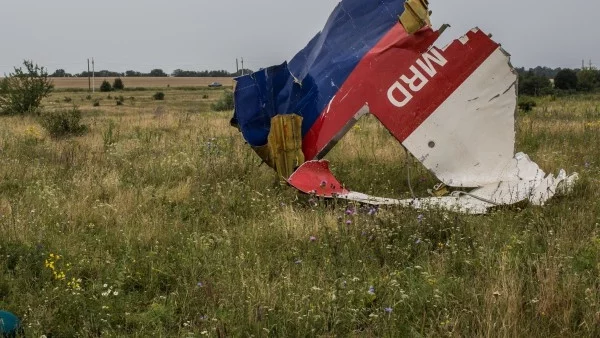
(520, 179)
(315, 178)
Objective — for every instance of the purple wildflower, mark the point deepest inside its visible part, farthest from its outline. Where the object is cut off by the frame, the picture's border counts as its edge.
(348, 222)
(298, 261)
(372, 211)
(388, 310)
(200, 285)
(312, 238)
(349, 212)
(371, 290)
(420, 218)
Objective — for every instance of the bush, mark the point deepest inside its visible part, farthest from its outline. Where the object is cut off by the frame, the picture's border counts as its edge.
(159, 96)
(105, 86)
(22, 92)
(526, 104)
(96, 103)
(118, 84)
(225, 103)
(62, 122)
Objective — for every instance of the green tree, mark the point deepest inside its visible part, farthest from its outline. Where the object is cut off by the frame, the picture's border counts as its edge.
(105, 86)
(566, 79)
(22, 92)
(118, 84)
(132, 73)
(158, 73)
(3, 86)
(534, 85)
(60, 73)
(588, 79)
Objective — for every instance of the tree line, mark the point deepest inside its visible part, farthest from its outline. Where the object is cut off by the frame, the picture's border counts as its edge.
(154, 73)
(536, 81)
(542, 81)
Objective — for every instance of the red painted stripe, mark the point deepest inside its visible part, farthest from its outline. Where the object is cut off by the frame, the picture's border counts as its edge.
(391, 58)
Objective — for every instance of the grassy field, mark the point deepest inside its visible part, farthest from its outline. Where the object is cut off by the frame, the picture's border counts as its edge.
(141, 82)
(160, 221)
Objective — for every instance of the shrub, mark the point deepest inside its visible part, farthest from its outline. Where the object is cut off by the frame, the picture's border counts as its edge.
(22, 92)
(118, 84)
(67, 99)
(105, 86)
(225, 102)
(159, 96)
(110, 135)
(62, 122)
(526, 103)
(96, 103)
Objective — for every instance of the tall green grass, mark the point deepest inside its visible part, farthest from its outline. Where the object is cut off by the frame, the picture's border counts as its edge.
(165, 224)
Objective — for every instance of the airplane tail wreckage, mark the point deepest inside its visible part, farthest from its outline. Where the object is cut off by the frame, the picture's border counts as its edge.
(452, 108)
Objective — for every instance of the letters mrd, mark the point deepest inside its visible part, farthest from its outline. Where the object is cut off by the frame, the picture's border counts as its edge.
(402, 91)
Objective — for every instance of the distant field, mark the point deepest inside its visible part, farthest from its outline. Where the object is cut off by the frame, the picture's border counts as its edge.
(82, 82)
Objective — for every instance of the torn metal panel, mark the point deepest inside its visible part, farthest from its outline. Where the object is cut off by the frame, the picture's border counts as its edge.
(307, 84)
(452, 108)
(468, 140)
(315, 178)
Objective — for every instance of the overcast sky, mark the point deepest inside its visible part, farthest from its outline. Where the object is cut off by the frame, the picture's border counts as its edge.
(202, 34)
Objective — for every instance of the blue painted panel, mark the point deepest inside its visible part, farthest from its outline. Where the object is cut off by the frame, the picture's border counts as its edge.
(313, 77)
